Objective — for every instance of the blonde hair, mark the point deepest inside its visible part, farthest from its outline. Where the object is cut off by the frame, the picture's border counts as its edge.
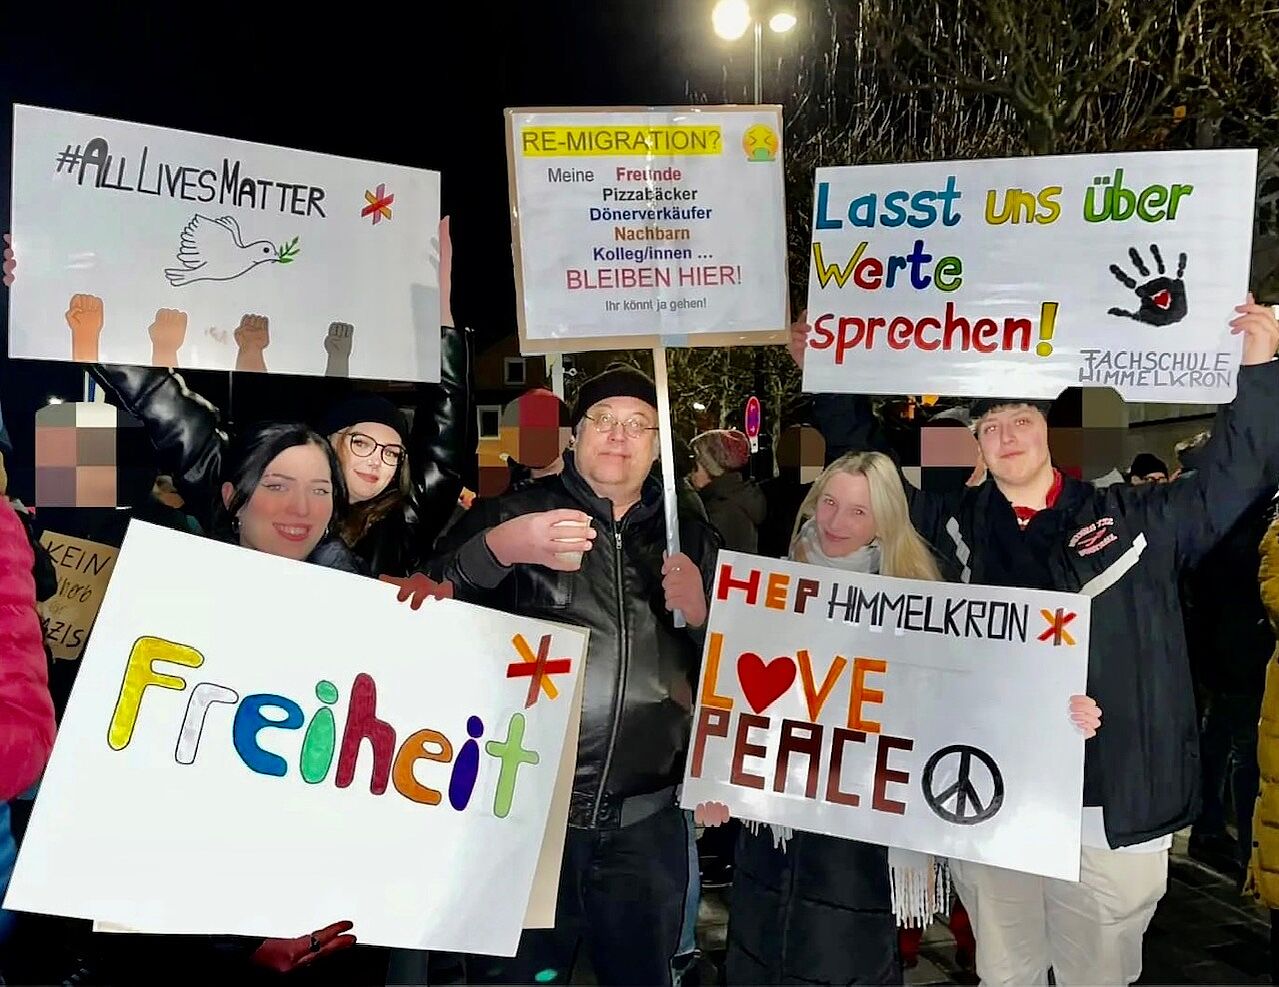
(903, 552)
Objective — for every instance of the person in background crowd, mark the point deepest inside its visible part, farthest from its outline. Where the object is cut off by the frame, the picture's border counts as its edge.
(808, 908)
(26, 706)
(734, 504)
(1147, 468)
(1263, 867)
(801, 456)
(1188, 452)
(587, 547)
(1125, 547)
(1230, 642)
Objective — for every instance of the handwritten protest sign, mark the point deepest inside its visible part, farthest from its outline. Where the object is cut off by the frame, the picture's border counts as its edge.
(84, 568)
(1025, 276)
(149, 246)
(266, 767)
(636, 224)
(930, 716)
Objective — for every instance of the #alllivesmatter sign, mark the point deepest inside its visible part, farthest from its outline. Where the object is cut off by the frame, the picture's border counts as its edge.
(1026, 276)
(154, 247)
(298, 748)
(930, 716)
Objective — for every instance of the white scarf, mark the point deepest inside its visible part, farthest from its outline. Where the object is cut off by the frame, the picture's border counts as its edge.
(920, 882)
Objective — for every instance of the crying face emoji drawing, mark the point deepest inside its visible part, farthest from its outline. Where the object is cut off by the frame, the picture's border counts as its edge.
(760, 143)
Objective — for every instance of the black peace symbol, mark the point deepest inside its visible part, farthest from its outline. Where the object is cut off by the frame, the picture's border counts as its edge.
(968, 808)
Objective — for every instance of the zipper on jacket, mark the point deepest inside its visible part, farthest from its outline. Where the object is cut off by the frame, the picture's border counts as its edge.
(622, 667)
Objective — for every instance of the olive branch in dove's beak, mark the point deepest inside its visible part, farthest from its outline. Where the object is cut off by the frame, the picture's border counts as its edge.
(285, 253)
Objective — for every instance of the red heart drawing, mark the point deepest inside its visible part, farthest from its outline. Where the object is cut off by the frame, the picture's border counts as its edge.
(1162, 298)
(763, 682)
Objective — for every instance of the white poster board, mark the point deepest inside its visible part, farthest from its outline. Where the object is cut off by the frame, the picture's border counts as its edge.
(147, 246)
(212, 819)
(930, 716)
(635, 224)
(1024, 276)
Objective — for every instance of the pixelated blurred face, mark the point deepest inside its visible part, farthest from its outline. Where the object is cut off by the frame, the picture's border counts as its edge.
(1014, 443)
(291, 507)
(76, 454)
(844, 516)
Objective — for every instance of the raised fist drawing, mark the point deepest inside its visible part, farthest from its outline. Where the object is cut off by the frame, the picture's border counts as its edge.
(1163, 299)
(253, 333)
(252, 337)
(168, 332)
(338, 345)
(84, 317)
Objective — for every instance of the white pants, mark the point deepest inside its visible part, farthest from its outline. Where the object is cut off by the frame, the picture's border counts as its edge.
(1088, 933)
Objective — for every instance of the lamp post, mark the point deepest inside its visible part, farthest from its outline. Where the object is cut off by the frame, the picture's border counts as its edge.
(732, 18)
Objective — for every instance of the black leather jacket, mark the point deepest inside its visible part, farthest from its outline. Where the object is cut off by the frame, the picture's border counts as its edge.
(189, 445)
(641, 671)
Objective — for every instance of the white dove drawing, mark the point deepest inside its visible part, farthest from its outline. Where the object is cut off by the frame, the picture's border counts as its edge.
(214, 250)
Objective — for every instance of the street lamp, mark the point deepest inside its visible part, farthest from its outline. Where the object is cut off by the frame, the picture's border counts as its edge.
(731, 18)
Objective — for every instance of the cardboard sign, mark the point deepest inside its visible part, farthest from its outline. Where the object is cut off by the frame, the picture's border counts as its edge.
(926, 715)
(277, 746)
(156, 247)
(1024, 276)
(633, 225)
(84, 569)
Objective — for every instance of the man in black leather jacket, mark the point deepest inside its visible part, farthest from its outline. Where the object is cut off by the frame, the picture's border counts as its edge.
(626, 868)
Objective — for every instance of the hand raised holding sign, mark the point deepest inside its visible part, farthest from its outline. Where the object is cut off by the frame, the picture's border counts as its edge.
(797, 342)
(682, 581)
(1260, 331)
(1086, 715)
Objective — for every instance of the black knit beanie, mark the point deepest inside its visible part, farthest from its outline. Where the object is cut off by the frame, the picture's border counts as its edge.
(618, 381)
(364, 407)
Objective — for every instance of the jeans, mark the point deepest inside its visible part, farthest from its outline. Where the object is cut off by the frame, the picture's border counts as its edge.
(622, 894)
(1228, 747)
(692, 901)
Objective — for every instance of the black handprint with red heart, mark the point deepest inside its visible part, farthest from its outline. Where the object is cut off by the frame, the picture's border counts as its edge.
(1163, 299)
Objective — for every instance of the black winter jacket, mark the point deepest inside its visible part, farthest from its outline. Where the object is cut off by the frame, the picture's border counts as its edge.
(641, 670)
(818, 912)
(190, 446)
(736, 508)
(1125, 547)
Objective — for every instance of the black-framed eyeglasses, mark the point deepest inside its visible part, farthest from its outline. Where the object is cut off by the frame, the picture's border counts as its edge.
(633, 427)
(366, 445)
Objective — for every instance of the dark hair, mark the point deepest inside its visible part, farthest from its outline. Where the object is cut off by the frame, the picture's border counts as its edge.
(252, 452)
(359, 518)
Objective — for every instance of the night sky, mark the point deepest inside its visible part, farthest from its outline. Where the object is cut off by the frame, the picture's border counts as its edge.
(424, 89)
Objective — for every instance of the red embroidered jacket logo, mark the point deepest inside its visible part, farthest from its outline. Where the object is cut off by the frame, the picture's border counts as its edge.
(1092, 538)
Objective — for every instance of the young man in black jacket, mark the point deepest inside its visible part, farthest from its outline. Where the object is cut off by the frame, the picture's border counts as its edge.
(587, 547)
(1124, 547)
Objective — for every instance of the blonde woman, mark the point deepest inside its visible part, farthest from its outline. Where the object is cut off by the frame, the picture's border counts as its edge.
(809, 908)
